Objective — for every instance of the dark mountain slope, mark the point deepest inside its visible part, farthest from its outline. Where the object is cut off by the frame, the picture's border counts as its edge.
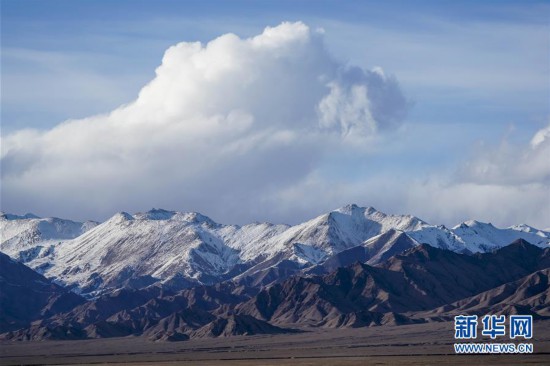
(374, 251)
(422, 278)
(26, 296)
(528, 295)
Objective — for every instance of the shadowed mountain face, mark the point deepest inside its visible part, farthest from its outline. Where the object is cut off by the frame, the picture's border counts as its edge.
(374, 251)
(422, 284)
(237, 325)
(26, 296)
(528, 295)
(420, 279)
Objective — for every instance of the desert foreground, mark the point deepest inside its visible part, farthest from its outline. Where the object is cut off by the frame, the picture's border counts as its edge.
(424, 344)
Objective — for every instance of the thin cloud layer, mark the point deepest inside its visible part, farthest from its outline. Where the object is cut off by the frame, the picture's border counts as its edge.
(505, 185)
(221, 127)
(511, 164)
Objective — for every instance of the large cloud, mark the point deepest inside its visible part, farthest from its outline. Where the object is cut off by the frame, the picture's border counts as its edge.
(221, 128)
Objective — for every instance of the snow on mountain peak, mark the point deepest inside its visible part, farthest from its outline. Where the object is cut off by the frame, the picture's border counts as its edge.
(88, 225)
(26, 236)
(468, 224)
(473, 223)
(195, 217)
(8, 216)
(347, 209)
(525, 228)
(353, 209)
(155, 214)
(121, 217)
(371, 210)
(158, 214)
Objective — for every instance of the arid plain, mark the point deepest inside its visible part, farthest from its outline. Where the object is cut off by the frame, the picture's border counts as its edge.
(424, 344)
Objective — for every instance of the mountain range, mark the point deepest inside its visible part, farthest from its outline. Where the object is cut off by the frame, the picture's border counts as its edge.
(423, 284)
(172, 276)
(180, 250)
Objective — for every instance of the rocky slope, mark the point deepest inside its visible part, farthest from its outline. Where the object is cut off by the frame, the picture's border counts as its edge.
(420, 279)
(422, 284)
(26, 296)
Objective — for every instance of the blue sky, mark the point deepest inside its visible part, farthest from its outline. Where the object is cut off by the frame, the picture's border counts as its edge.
(476, 77)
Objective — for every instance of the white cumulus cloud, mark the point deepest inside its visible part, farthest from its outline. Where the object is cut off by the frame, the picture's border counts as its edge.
(220, 127)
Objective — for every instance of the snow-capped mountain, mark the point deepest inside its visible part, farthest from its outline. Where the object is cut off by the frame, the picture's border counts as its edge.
(474, 236)
(179, 249)
(139, 250)
(344, 228)
(28, 236)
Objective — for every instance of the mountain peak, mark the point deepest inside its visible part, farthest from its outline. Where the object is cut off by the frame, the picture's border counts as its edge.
(196, 217)
(8, 216)
(519, 244)
(347, 209)
(155, 214)
(472, 223)
(121, 217)
(371, 210)
(468, 224)
(424, 251)
(352, 209)
(520, 251)
(523, 227)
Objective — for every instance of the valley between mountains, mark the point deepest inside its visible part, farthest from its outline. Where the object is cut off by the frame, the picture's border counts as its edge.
(173, 276)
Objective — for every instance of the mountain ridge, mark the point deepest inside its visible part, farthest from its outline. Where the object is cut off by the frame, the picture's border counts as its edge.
(420, 285)
(183, 249)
